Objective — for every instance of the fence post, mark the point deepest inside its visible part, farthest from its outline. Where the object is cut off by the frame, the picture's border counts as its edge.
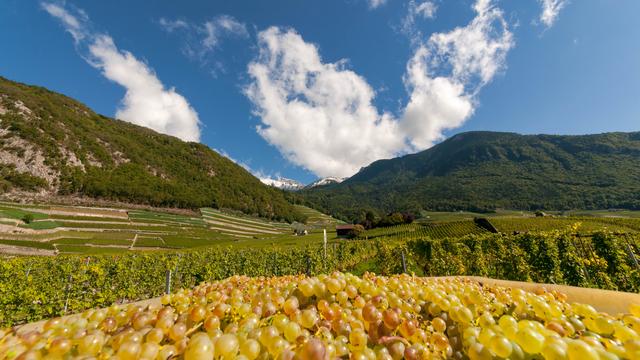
(308, 266)
(175, 271)
(167, 282)
(404, 263)
(324, 242)
(66, 302)
(275, 263)
(633, 256)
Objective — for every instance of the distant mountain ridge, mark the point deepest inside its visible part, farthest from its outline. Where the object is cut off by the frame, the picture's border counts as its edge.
(53, 145)
(293, 185)
(483, 171)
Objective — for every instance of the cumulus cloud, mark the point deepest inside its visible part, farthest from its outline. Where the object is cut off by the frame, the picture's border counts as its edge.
(321, 115)
(550, 11)
(201, 40)
(147, 102)
(446, 73)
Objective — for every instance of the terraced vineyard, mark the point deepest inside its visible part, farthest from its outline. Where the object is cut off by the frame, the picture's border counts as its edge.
(524, 224)
(317, 219)
(453, 229)
(49, 230)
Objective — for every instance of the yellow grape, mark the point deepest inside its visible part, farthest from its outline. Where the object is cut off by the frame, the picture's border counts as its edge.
(128, 351)
(337, 316)
(555, 350)
(200, 348)
(250, 349)
(227, 346)
(500, 346)
(530, 340)
(579, 350)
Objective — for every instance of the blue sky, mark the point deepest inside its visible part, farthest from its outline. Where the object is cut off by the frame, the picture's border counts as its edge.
(302, 89)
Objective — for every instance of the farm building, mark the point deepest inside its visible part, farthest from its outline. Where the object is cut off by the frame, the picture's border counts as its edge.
(343, 230)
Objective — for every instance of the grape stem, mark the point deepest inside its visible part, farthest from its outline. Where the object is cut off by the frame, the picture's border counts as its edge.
(194, 328)
(389, 339)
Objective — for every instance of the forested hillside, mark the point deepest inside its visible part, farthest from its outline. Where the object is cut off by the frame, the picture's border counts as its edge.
(53, 145)
(483, 171)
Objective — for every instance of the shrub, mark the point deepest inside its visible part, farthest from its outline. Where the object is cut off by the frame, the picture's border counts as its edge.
(27, 218)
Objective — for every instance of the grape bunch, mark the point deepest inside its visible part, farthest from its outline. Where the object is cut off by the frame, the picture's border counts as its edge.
(337, 316)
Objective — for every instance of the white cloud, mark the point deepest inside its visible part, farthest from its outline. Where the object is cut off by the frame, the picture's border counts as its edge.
(74, 24)
(201, 40)
(321, 115)
(550, 11)
(376, 3)
(446, 73)
(172, 25)
(436, 103)
(220, 26)
(146, 102)
(425, 10)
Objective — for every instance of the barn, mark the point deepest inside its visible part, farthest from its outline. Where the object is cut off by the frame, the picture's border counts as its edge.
(343, 230)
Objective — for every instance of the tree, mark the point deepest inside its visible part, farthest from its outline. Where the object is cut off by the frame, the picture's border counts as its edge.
(356, 231)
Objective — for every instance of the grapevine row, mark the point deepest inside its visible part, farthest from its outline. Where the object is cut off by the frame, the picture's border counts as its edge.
(32, 288)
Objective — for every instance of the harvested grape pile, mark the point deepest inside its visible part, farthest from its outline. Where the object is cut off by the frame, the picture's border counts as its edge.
(338, 316)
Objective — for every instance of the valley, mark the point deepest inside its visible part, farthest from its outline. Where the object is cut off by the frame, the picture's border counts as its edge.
(98, 213)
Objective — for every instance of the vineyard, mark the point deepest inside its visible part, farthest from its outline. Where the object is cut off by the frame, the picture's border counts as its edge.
(51, 230)
(524, 224)
(405, 232)
(38, 287)
(200, 251)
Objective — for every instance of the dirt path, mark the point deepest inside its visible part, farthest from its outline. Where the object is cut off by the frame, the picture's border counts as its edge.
(24, 251)
(10, 220)
(133, 242)
(230, 231)
(105, 246)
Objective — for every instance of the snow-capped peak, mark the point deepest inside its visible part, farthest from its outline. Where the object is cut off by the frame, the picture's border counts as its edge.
(283, 183)
(325, 181)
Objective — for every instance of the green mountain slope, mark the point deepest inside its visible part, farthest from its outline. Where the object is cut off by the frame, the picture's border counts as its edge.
(489, 170)
(53, 145)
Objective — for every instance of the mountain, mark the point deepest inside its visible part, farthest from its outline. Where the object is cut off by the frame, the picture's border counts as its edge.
(283, 183)
(52, 145)
(325, 181)
(483, 171)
